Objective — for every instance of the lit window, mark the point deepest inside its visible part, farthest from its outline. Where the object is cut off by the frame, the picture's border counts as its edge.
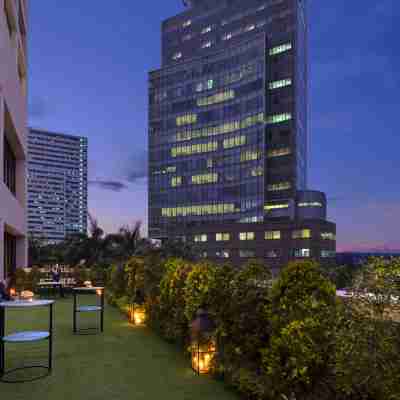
(271, 207)
(249, 28)
(247, 253)
(177, 56)
(276, 253)
(277, 187)
(223, 254)
(234, 142)
(176, 181)
(200, 238)
(279, 152)
(187, 23)
(227, 36)
(311, 204)
(198, 210)
(206, 30)
(222, 237)
(216, 98)
(301, 253)
(186, 119)
(194, 149)
(328, 236)
(279, 118)
(204, 179)
(280, 84)
(328, 253)
(247, 236)
(301, 234)
(280, 49)
(273, 235)
(206, 45)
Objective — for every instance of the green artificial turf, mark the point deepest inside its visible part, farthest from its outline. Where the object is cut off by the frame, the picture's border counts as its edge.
(124, 362)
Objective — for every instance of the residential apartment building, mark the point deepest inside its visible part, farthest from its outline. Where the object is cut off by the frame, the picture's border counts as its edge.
(228, 134)
(13, 121)
(57, 185)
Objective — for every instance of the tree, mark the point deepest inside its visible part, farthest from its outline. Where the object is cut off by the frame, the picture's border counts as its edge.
(297, 359)
(368, 340)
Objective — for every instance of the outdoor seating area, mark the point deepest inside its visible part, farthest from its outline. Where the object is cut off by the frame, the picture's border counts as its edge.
(125, 362)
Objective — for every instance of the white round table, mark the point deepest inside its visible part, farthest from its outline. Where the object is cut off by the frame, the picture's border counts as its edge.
(24, 337)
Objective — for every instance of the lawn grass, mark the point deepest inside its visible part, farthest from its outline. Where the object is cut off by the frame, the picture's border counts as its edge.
(123, 363)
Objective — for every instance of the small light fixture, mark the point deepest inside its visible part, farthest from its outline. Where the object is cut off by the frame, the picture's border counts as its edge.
(13, 292)
(203, 347)
(137, 310)
(99, 292)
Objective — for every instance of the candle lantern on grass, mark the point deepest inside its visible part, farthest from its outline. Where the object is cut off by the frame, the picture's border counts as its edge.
(137, 310)
(203, 347)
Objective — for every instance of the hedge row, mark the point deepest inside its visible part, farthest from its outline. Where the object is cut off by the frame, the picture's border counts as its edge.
(288, 338)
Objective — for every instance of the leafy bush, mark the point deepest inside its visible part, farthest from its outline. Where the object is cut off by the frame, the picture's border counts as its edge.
(302, 315)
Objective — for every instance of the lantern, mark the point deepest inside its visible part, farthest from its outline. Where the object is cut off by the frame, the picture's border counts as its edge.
(99, 292)
(13, 292)
(203, 348)
(137, 310)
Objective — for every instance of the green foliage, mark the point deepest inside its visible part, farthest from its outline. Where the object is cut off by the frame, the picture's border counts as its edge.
(118, 282)
(302, 317)
(174, 324)
(368, 340)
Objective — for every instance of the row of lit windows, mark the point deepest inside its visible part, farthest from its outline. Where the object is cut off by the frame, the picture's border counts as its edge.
(277, 187)
(186, 119)
(216, 98)
(200, 210)
(204, 179)
(280, 84)
(275, 253)
(272, 207)
(269, 235)
(228, 127)
(194, 149)
(234, 142)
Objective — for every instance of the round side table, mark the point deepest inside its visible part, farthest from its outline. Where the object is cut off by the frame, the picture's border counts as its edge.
(82, 309)
(25, 337)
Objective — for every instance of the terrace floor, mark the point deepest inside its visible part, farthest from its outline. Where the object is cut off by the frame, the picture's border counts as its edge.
(123, 363)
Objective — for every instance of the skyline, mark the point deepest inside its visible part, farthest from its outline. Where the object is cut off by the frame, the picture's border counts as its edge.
(366, 209)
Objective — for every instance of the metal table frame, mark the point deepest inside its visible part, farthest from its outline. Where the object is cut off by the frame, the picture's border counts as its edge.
(19, 338)
(85, 309)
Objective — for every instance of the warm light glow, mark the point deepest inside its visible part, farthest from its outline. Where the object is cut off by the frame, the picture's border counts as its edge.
(99, 292)
(202, 357)
(137, 315)
(13, 292)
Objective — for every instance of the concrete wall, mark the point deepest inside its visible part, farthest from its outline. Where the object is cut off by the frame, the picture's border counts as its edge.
(13, 122)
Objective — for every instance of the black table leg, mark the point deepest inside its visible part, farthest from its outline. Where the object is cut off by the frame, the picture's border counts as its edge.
(74, 312)
(102, 312)
(51, 339)
(2, 344)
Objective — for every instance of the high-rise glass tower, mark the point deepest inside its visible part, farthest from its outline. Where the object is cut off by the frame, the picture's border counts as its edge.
(228, 121)
(57, 185)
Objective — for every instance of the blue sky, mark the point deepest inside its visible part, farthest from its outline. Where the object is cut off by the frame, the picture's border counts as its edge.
(88, 76)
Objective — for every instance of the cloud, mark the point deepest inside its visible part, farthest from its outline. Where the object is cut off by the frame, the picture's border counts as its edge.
(137, 167)
(114, 186)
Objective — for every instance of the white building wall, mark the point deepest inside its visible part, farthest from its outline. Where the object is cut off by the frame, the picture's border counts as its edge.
(13, 114)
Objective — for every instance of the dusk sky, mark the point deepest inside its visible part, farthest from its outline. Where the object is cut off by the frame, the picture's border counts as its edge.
(88, 76)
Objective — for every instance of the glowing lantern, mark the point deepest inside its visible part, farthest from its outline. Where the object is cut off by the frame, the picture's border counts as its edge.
(99, 292)
(137, 314)
(203, 348)
(13, 292)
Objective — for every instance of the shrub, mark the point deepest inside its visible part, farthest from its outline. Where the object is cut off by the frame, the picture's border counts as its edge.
(302, 315)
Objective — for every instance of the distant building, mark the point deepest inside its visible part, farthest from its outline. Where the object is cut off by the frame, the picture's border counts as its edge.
(57, 185)
(228, 135)
(13, 135)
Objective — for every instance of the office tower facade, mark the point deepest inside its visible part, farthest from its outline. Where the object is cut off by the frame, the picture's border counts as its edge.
(13, 120)
(228, 127)
(57, 185)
